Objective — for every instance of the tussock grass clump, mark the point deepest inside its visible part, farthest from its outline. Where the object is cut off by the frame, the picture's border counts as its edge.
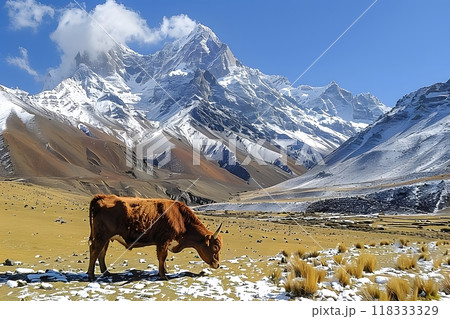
(321, 274)
(424, 249)
(355, 269)
(359, 245)
(403, 241)
(445, 284)
(298, 266)
(397, 289)
(285, 253)
(343, 277)
(372, 244)
(425, 289)
(300, 252)
(341, 248)
(303, 278)
(320, 262)
(299, 287)
(339, 259)
(404, 262)
(275, 276)
(311, 254)
(437, 263)
(424, 256)
(367, 262)
(373, 293)
(384, 243)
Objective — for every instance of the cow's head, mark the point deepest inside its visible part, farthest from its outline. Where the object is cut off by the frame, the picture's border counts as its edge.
(209, 250)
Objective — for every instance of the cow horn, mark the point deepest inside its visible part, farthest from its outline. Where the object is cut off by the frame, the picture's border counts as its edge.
(217, 231)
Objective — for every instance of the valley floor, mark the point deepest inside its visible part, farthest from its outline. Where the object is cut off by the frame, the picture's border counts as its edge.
(44, 233)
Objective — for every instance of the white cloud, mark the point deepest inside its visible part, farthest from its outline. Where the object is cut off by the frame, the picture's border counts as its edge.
(22, 62)
(105, 26)
(177, 26)
(27, 13)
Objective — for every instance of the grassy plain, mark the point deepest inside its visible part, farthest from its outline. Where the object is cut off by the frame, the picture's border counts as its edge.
(43, 228)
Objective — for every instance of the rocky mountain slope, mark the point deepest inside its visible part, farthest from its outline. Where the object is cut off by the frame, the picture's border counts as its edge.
(399, 163)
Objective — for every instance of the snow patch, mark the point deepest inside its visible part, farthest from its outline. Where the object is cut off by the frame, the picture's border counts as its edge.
(178, 73)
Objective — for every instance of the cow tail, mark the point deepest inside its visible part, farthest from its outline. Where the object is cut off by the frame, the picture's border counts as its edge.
(93, 209)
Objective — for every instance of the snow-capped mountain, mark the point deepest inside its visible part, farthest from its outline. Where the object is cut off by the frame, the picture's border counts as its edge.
(335, 101)
(197, 82)
(197, 95)
(400, 163)
(410, 143)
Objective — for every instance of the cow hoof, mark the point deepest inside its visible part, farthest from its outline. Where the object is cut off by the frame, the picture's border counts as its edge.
(164, 277)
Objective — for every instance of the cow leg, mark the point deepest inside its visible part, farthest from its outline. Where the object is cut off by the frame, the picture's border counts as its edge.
(161, 252)
(101, 260)
(95, 248)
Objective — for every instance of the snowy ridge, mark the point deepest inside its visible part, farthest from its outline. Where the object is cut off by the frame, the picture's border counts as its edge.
(411, 141)
(11, 106)
(333, 100)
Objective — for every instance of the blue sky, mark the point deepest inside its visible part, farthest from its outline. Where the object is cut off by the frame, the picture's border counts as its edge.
(395, 48)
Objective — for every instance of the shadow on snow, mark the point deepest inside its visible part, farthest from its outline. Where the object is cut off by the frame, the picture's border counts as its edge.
(66, 276)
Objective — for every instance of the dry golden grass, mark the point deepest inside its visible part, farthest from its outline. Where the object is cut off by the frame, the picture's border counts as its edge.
(275, 276)
(367, 262)
(342, 276)
(404, 242)
(425, 289)
(303, 278)
(437, 263)
(301, 287)
(359, 245)
(424, 249)
(355, 269)
(372, 244)
(404, 262)
(384, 243)
(320, 262)
(289, 284)
(445, 284)
(311, 254)
(341, 248)
(339, 259)
(373, 293)
(446, 260)
(397, 289)
(300, 252)
(298, 267)
(321, 274)
(424, 256)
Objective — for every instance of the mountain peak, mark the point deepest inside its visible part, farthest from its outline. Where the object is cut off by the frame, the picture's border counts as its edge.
(205, 32)
(333, 84)
(200, 49)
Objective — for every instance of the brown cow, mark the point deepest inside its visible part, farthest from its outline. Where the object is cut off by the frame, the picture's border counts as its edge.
(138, 222)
